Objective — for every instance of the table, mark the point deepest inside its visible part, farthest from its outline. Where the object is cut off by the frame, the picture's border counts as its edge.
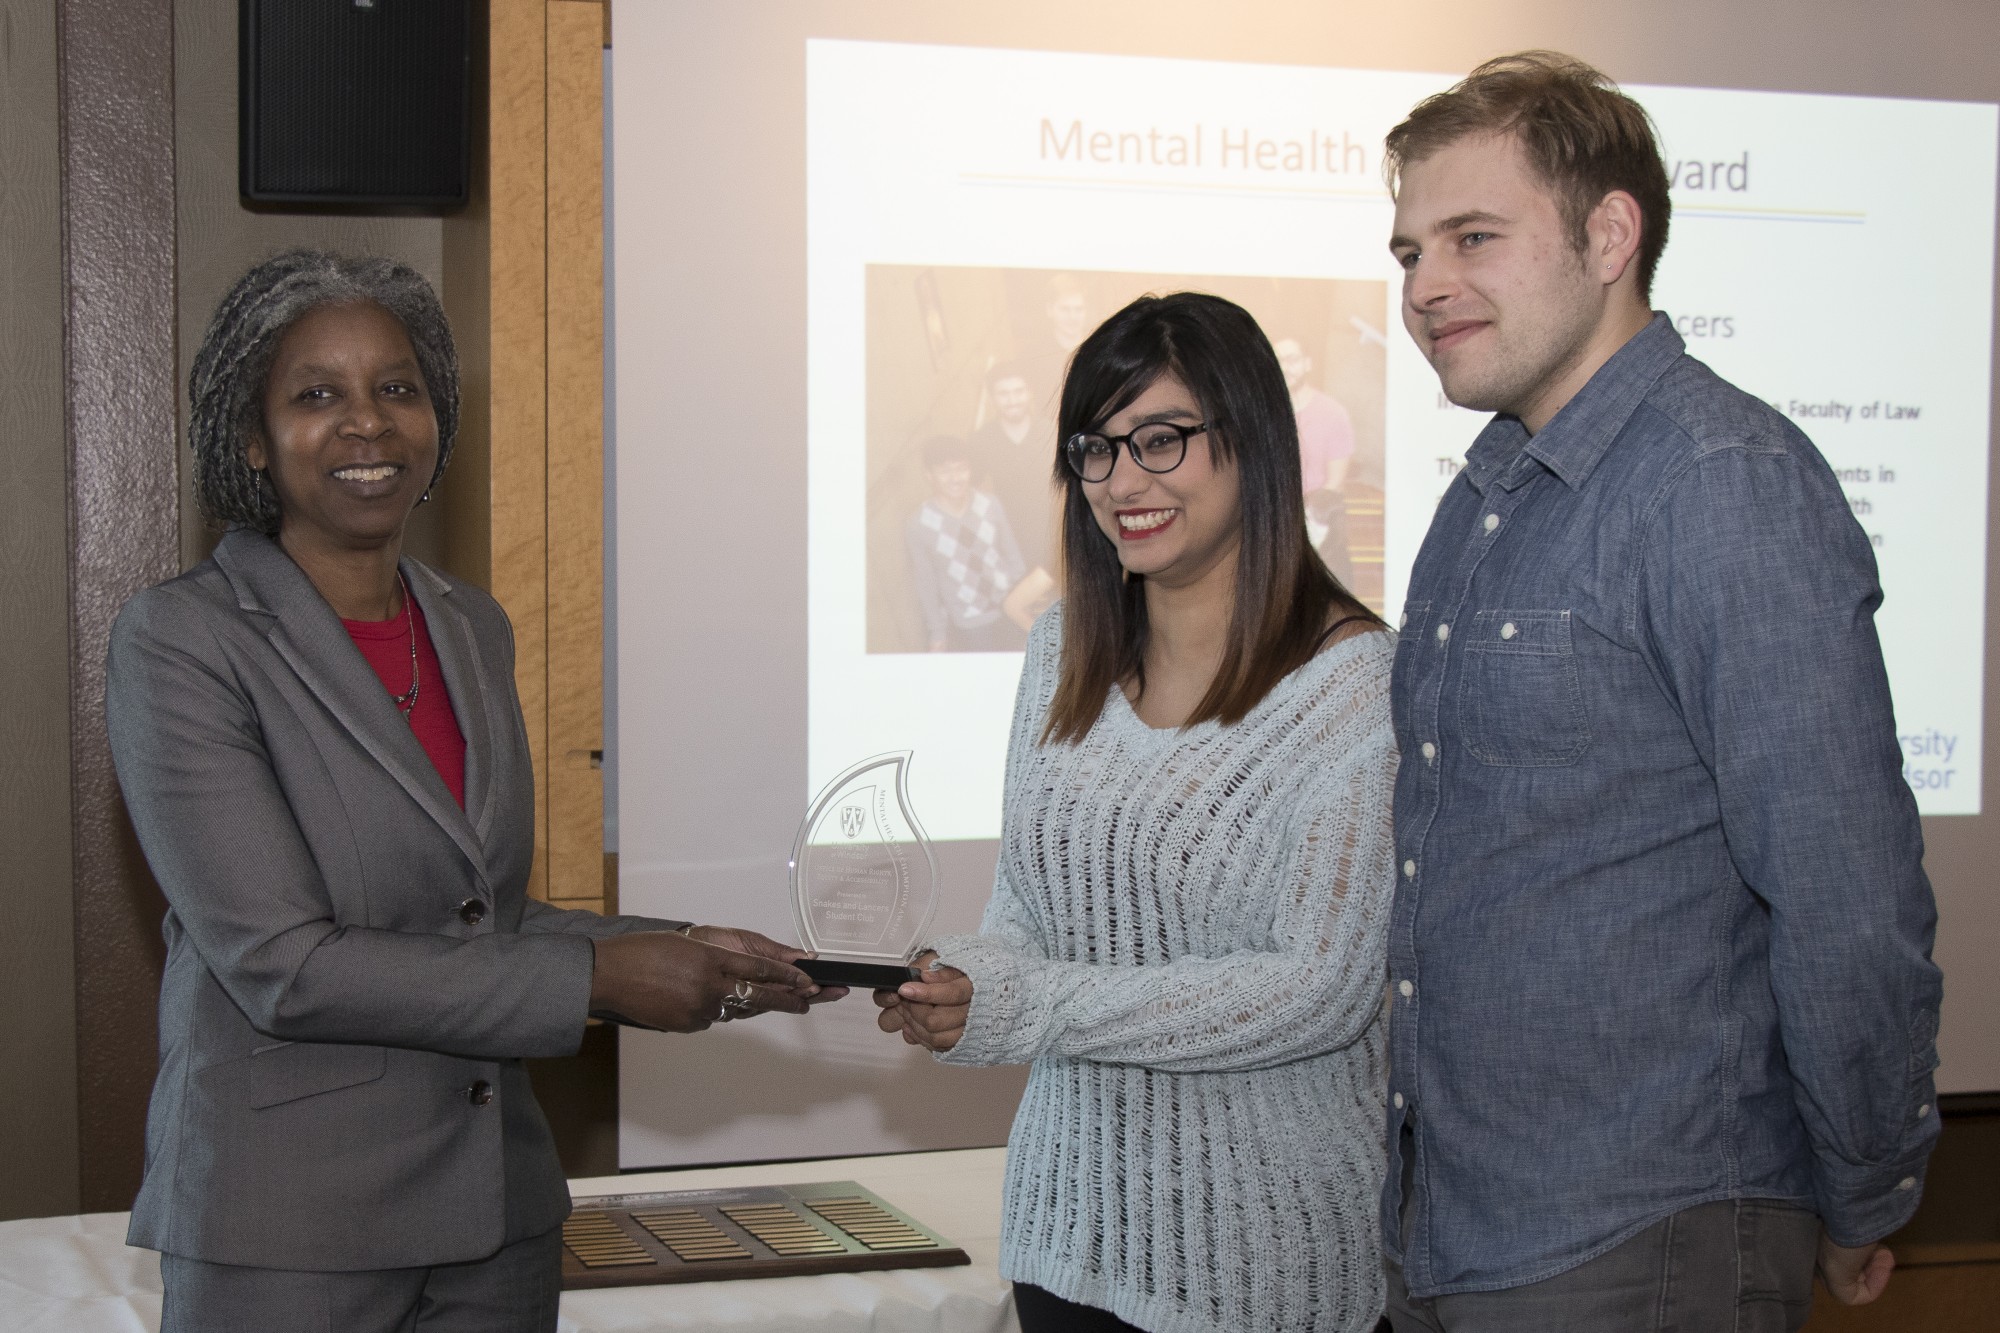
(77, 1275)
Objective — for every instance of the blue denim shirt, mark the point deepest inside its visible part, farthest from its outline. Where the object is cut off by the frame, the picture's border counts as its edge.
(1662, 932)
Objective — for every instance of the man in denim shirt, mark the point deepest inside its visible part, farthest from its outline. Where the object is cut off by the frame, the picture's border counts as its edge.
(1664, 1010)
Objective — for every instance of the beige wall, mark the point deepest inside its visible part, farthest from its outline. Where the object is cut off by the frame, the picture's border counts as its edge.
(38, 1130)
(218, 238)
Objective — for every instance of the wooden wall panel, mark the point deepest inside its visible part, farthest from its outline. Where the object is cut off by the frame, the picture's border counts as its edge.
(118, 255)
(576, 451)
(517, 439)
(524, 280)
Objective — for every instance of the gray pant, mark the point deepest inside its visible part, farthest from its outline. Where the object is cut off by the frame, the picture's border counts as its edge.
(1738, 1266)
(515, 1290)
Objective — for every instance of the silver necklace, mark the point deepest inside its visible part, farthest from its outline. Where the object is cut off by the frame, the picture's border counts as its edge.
(407, 700)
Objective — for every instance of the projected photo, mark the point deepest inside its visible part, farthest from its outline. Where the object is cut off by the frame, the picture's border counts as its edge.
(964, 372)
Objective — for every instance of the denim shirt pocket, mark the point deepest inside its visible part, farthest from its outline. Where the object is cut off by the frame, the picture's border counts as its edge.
(1520, 697)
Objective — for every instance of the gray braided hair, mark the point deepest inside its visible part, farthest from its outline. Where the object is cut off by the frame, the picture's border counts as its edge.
(226, 386)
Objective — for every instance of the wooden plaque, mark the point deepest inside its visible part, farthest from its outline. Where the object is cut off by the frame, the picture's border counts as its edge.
(834, 1226)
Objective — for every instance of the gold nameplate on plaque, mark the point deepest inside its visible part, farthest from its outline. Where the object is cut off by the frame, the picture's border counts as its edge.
(755, 1231)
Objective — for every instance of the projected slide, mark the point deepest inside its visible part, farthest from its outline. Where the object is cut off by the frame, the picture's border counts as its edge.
(964, 367)
(972, 213)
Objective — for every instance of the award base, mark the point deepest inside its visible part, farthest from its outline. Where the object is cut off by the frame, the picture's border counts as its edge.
(847, 972)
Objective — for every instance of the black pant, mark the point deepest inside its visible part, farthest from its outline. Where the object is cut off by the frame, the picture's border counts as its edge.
(1742, 1264)
(1041, 1312)
(1044, 1312)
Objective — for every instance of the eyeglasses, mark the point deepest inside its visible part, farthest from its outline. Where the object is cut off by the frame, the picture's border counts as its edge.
(1157, 446)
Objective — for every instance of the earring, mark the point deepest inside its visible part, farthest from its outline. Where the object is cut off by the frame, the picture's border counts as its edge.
(425, 498)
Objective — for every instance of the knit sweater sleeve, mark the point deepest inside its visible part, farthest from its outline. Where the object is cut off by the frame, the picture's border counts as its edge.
(1314, 983)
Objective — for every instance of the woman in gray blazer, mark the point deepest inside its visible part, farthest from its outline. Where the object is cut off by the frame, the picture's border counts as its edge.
(321, 748)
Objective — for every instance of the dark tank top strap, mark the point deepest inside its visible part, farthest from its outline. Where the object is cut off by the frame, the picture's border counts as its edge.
(1328, 632)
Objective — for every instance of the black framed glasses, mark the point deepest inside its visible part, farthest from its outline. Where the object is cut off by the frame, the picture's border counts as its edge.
(1157, 446)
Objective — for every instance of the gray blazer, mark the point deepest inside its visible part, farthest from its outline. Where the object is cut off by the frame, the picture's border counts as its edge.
(354, 969)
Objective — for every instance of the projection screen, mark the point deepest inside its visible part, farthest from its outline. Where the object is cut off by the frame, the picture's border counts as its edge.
(837, 238)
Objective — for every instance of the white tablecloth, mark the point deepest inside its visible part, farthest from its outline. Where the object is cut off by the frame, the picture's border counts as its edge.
(77, 1275)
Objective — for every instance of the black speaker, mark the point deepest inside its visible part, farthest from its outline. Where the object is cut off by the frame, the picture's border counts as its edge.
(354, 101)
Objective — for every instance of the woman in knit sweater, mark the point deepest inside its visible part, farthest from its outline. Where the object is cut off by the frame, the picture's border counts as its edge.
(1188, 924)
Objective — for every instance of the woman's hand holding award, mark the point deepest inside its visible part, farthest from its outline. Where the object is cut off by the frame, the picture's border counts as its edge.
(864, 880)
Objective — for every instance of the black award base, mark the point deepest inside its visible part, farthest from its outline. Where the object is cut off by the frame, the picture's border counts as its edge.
(861, 976)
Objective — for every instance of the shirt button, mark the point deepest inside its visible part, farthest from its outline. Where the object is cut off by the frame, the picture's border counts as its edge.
(1430, 751)
(1923, 1110)
(472, 911)
(1398, 1100)
(1507, 631)
(1409, 870)
(1907, 1183)
(1403, 621)
(480, 1093)
(1444, 632)
(1492, 522)
(1405, 989)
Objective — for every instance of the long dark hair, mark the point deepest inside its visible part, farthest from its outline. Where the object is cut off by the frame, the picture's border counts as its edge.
(1285, 594)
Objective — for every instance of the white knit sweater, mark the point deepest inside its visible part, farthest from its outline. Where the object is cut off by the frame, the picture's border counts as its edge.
(1187, 937)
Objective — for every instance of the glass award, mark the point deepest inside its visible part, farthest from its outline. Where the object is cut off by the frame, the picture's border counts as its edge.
(864, 879)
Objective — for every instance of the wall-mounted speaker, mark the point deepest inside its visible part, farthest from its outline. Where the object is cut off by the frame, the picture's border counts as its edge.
(356, 102)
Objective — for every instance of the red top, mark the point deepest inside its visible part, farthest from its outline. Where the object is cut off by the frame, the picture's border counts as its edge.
(386, 645)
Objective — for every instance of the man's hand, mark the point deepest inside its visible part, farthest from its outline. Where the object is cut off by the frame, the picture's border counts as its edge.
(763, 946)
(931, 1012)
(676, 983)
(1854, 1275)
